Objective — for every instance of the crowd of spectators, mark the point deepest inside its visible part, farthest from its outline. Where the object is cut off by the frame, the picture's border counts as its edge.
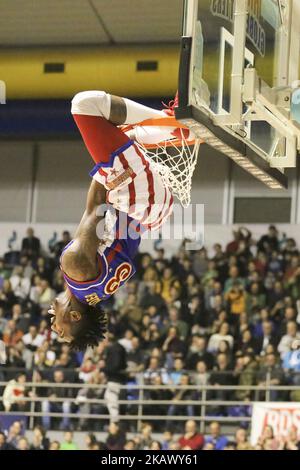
(117, 438)
(230, 317)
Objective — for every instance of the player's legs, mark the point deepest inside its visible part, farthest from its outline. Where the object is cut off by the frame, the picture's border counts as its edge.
(94, 112)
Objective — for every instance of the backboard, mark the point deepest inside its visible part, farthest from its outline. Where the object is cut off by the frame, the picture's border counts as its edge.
(239, 63)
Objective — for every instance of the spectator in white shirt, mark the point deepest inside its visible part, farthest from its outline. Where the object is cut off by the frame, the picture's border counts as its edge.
(32, 339)
(222, 335)
(286, 341)
(19, 283)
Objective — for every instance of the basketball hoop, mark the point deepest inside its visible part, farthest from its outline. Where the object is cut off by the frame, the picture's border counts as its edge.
(174, 159)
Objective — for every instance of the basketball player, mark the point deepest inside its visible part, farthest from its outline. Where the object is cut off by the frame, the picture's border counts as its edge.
(99, 261)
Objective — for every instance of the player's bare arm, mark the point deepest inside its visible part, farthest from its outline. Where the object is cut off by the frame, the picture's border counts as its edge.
(79, 260)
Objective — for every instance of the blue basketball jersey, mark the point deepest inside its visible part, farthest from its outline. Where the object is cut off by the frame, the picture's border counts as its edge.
(115, 266)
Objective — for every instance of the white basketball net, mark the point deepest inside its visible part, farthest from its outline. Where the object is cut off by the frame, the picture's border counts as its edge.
(175, 161)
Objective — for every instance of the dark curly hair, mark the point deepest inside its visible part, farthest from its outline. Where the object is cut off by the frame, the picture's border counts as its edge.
(90, 329)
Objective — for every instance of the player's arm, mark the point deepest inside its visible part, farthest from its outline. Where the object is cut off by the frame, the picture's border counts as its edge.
(79, 260)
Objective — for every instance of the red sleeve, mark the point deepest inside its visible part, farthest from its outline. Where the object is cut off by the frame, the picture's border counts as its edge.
(100, 136)
(197, 442)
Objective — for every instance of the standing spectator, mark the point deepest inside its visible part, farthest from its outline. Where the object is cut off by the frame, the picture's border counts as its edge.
(215, 437)
(60, 245)
(115, 372)
(269, 242)
(31, 245)
(191, 440)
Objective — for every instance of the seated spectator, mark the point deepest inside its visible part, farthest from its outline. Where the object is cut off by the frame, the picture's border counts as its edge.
(176, 372)
(87, 370)
(233, 280)
(126, 341)
(291, 441)
(152, 298)
(146, 436)
(23, 444)
(286, 341)
(267, 337)
(54, 445)
(215, 437)
(241, 440)
(61, 406)
(198, 352)
(221, 375)
(15, 432)
(256, 299)
(68, 443)
(135, 358)
(291, 362)
(168, 437)
(116, 437)
(7, 296)
(175, 321)
(33, 340)
(173, 344)
(236, 298)
(246, 375)
(201, 376)
(267, 439)
(271, 373)
(19, 283)
(181, 395)
(222, 335)
(39, 440)
(14, 394)
(191, 440)
(85, 406)
(247, 342)
(4, 445)
(11, 334)
(155, 445)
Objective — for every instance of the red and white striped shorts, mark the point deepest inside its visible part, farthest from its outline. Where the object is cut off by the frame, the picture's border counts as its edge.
(134, 186)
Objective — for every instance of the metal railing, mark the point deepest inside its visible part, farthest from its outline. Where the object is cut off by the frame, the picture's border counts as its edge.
(134, 408)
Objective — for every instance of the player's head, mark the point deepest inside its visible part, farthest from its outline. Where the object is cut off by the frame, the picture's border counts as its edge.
(78, 324)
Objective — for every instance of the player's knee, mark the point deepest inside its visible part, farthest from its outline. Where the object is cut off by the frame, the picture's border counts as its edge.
(94, 103)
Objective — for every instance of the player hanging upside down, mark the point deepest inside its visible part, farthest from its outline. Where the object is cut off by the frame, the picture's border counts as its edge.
(95, 266)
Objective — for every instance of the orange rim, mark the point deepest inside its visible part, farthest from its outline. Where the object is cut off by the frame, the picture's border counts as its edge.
(168, 121)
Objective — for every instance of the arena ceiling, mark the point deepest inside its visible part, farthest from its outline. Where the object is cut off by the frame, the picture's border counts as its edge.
(89, 22)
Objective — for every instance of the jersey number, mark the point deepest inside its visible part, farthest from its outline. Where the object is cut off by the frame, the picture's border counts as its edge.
(122, 273)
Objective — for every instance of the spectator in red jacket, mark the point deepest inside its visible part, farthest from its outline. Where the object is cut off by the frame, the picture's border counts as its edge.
(191, 440)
